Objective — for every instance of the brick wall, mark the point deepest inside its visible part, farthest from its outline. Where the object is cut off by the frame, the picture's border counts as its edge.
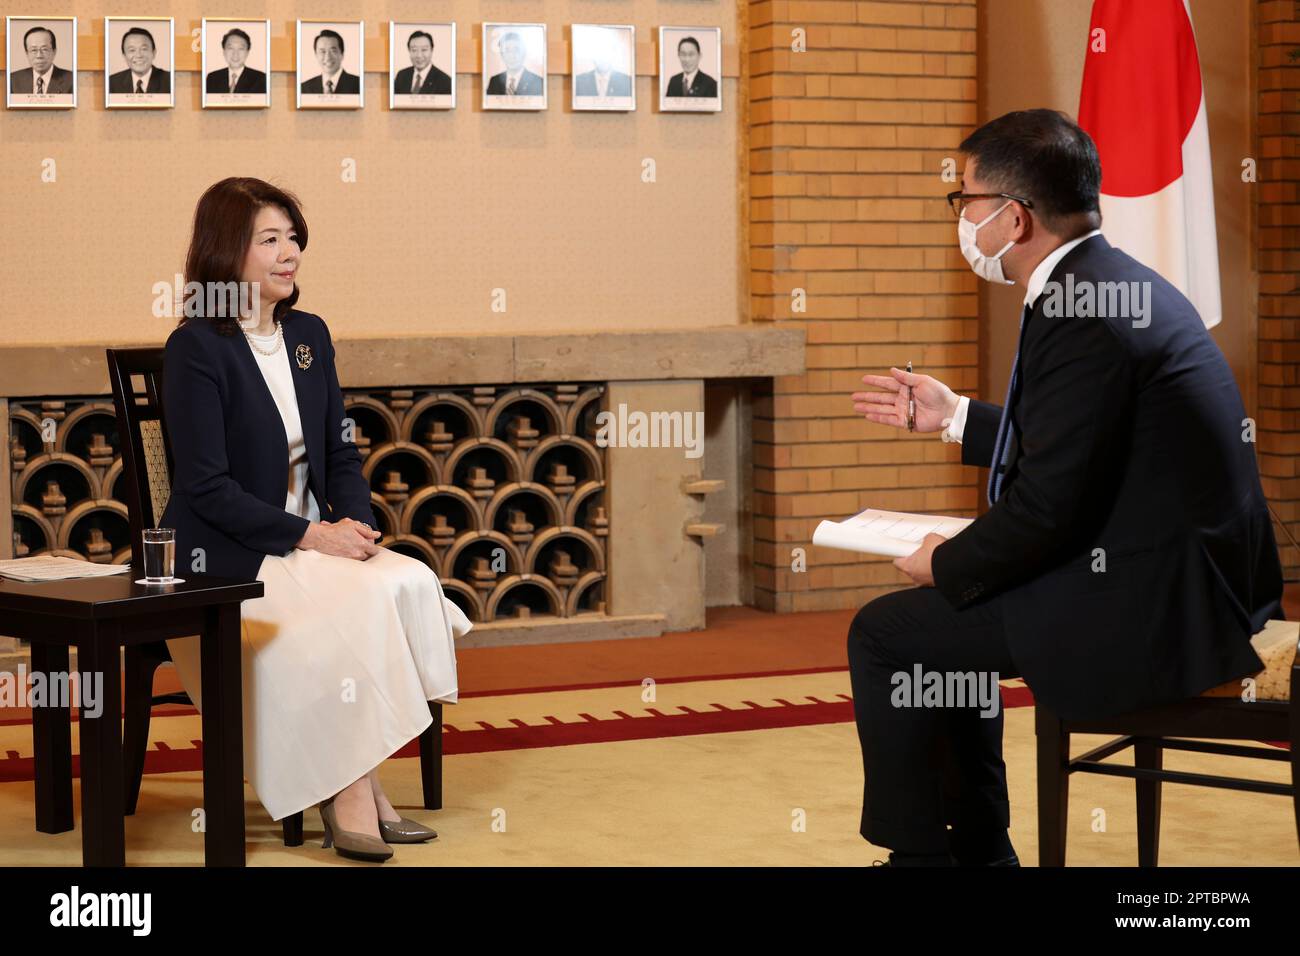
(846, 147)
(1278, 245)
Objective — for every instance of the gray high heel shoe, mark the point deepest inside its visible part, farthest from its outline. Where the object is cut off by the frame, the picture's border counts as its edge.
(405, 831)
(358, 846)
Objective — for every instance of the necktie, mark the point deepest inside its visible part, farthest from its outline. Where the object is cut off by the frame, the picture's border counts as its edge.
(686, 85)
(40, 85)
(415, 83)
(234, 78)
(510, 87)
(1002, 444)
(329, 86)
(139, 88)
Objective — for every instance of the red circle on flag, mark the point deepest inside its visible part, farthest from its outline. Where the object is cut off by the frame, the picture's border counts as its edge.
(1141, 96)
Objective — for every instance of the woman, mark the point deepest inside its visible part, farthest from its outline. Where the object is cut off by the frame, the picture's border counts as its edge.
(350, 640)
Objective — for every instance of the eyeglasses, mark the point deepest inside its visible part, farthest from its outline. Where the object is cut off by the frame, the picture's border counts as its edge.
(957, 200)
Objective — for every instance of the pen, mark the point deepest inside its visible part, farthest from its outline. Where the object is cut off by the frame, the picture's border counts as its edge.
(911, 403)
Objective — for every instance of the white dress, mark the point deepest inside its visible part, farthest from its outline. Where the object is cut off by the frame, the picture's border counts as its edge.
(340, 656)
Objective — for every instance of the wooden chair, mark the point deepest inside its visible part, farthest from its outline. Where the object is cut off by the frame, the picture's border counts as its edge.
(1219, 715)
(147, 471)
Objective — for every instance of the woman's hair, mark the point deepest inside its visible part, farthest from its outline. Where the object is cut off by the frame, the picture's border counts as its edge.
(223, 231)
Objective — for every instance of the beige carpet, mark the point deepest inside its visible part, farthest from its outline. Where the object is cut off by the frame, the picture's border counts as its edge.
(777, 795)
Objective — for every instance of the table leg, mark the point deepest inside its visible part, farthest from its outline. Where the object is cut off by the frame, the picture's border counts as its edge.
(52, 746)
(223, 736)
(99, 660)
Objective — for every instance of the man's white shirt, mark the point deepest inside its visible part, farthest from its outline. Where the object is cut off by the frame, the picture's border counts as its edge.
(957, 425)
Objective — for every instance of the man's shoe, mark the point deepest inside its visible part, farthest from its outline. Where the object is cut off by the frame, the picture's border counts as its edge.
(1011, 860)
(917, 859)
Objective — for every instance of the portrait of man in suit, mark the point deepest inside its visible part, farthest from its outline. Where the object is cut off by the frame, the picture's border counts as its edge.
(691, 81)
(328, 47)
(237, 76)
(515, 79)
(605, 48)
(140, 76)
(42, 76)
(422, 76)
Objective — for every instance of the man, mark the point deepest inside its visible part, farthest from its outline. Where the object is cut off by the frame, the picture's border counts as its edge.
(140, 76)
(603, 79)
(515, 80)
(691, 81)
(421, 76)
(42, 76)
(1127, 555)
(328, 47)
(237, 77)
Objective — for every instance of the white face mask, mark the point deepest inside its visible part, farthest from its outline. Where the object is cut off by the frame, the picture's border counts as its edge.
(986, 267)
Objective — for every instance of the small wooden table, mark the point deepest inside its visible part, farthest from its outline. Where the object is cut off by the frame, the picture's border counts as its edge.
(99, 616)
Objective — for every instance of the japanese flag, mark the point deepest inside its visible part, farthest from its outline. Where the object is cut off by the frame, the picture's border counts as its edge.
(1144, 106)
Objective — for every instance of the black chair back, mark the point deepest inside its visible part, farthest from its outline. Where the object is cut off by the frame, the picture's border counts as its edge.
(147, 466)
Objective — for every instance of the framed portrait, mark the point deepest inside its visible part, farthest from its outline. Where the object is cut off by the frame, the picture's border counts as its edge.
(139, 63)
(421, 66)
(604, 67)
(690, 69)
(236, 63)
(514, 66)
(41, 62)
(331, 65)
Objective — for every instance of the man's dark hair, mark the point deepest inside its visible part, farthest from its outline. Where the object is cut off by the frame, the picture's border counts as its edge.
(140, 32)
(419, 33)
(691, 40)
(54, 41)
(327, 33)
(1046, 157)
(236, 32)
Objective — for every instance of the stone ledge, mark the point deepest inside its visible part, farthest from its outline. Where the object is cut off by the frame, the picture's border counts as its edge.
(758, 350)
(563, 630)
(558, 630)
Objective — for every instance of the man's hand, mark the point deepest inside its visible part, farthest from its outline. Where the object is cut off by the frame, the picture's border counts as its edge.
(917, 564)
(935, 401)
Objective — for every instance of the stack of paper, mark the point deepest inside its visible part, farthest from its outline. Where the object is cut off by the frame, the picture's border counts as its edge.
(44, 567)
(895, 534)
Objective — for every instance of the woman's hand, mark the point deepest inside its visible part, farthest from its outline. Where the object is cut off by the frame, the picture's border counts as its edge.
(935, 401)
(346, 539)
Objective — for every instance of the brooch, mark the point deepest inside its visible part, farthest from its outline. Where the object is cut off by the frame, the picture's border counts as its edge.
(303, 354)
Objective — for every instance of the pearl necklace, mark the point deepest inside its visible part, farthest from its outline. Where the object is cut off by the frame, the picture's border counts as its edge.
(279, 340)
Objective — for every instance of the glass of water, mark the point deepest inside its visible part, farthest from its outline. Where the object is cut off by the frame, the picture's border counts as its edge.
(159, 555)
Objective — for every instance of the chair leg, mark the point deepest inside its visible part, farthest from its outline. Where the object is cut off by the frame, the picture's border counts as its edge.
(139, 665)
(1148, 755)
(1053, 786)
(431, 759)
(1295, 744)
(293, 829)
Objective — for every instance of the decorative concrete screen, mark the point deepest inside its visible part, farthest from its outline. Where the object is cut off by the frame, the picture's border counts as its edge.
(500, 489)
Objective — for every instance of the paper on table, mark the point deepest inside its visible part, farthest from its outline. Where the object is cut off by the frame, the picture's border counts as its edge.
(895, 534)
(44, 567)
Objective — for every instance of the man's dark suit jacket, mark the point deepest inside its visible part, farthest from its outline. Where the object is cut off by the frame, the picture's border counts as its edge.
(620, 84)
(24, 81)
(348, 83)
(231, 454)
(704, 85)
(435, 81)
(160, 81)
(1129, 440)
(250, 81)
(530, 84)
